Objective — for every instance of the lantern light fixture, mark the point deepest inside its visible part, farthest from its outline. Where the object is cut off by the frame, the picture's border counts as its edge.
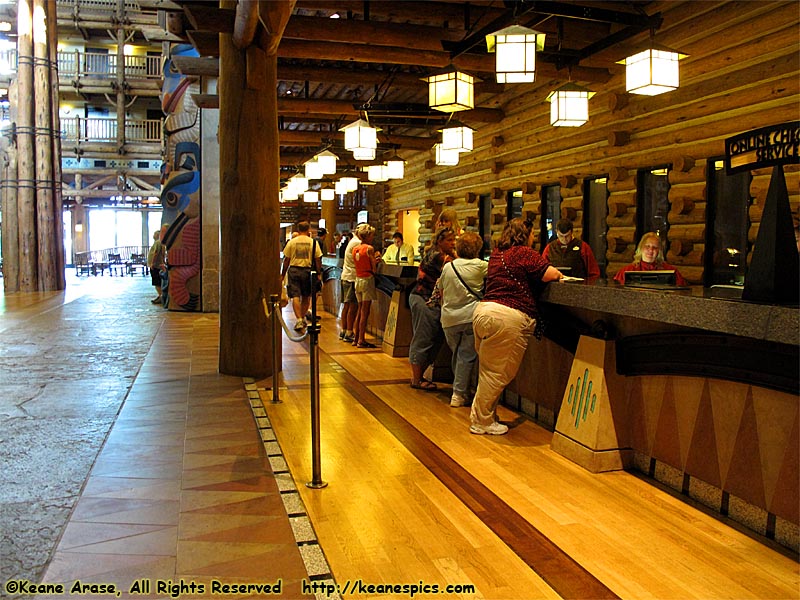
(364, 153)
(326, 194)
(310, 196)
(378, 173)
(340, 187)
(313, 169)
(350, 183)
(652, 71)
(515, 53)
(457, 137)
(395, 168)
(289, 194)
(327, 162)
(451, 91)
(360, 134)
(299, 184)
(569, 105)
(445, 158)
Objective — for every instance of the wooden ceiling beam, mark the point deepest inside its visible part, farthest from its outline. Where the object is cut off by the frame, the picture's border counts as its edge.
(275, 16)
(452, 13)
(209, 17)
(206, 43)
(312, 139)
(204, 66)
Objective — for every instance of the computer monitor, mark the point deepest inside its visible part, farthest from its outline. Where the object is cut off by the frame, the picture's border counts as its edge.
(664, 277)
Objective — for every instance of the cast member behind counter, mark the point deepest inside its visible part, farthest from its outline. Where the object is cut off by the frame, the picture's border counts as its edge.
(399, 251)
(649, 256)
(568, 251)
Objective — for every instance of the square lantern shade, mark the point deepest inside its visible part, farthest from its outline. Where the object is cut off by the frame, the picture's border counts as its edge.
(327, 194)
(451, 91)
(445, 158)
(652, 72)
(457, 138)
(289, 194)
(569, 105)
(340, 187)
(313, 170)
(395, 168)
(377, 173)
(359, 134)
(310, 196)
(327, 162)
(364, 153)
(350, 183)
(515, 53)
(299, 184)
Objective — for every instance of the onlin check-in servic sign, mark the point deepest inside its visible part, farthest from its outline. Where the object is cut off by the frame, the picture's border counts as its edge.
(764, 147)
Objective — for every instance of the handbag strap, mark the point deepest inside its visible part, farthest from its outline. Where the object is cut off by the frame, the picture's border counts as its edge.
(464, 283)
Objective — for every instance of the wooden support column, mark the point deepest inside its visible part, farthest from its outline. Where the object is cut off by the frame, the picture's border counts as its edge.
(47, 245)
(10, 231)
(26, 173)
(329, 214)
(55, 139)
(249, 209)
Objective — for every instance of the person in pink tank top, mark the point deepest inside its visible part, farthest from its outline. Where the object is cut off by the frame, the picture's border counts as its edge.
(365, 259)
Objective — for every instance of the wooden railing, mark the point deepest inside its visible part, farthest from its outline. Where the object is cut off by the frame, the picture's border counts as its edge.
(121, 260)
(99, 65)
(80, 129)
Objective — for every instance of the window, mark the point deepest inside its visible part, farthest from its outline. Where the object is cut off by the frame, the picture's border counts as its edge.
(513, 204)
(595, 210)
(551, 212)
(727, 223)
(653, 202)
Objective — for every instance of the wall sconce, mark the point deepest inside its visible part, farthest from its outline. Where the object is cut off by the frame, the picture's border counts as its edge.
(450, 91)
(350, 183)
(360, 137)
(569, 105)
(653, 71)
(396, 168)
(310, 196)
(327, 194)
(445, 158)
(515, 53)
(327, 162)
(457, 138)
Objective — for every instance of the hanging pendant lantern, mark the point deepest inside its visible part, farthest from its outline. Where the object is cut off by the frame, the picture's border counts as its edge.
(327, 162)
(289, 194)
(313, 169)
(458, 138)
(350, 183)
(653, 71)
(300, 184)
(359, 134)
(326, 194)
(377, 173)
(395, 168)
(451, 91)
(445, 158)
(310, 196)
(364, 153)
(340, 187)
(515, 53)
(569, 105)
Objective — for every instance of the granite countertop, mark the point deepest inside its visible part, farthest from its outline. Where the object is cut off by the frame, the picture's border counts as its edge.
(692, 308)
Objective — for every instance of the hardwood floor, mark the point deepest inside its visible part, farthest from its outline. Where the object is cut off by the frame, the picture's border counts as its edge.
(412, 496)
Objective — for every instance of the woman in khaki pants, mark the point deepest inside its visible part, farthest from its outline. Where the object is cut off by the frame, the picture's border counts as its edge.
(505, 319)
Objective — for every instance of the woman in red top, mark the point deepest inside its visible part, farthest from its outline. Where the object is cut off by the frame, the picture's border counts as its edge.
(364, 258)
(504, 321)
(649, 257)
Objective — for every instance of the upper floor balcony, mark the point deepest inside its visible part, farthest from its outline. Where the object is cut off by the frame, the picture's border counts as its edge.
(89, 130)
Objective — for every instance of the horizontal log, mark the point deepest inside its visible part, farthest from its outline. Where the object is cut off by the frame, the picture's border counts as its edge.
(694, 258)
(692, 274)
(681, 247)
(627, 219)
(567, 181)
(575, 202)
(618, 174)
(618, 138)
(627, 197)
(575, 191)
(622, 234)
(695, 175)
(617, 209)
(683, 163)
(622, 185)
(569, 213)
(696, 216)
(692, 233)
(681, 205)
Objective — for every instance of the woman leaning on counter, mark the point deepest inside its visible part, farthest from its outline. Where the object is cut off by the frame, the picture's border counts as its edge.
(649, 257)
(505, 319)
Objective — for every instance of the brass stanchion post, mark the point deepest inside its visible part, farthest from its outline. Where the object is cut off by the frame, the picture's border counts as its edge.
(313, 341)
(276, 340)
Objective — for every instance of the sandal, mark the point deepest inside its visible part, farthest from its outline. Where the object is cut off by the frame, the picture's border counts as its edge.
(424, 385)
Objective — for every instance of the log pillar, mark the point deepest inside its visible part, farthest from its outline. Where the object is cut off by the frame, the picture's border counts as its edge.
(249, 210)
(329, 214)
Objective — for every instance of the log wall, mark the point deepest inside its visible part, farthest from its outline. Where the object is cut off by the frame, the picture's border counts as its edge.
(742, 72)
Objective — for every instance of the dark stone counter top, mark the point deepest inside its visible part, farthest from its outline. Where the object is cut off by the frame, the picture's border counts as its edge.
(675, 309)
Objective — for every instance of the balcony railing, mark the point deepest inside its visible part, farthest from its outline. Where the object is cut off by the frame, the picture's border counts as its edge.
(98, 65)
(81, 129)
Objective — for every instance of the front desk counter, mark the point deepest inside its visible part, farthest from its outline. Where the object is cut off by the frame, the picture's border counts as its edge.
(390, 317)
(698, 391)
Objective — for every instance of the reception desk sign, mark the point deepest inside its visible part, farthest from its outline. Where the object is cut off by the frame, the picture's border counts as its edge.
(765, 147)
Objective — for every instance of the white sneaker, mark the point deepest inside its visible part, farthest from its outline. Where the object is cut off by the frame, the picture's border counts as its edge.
(300, 325)
(493, 429)
(458, 400)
